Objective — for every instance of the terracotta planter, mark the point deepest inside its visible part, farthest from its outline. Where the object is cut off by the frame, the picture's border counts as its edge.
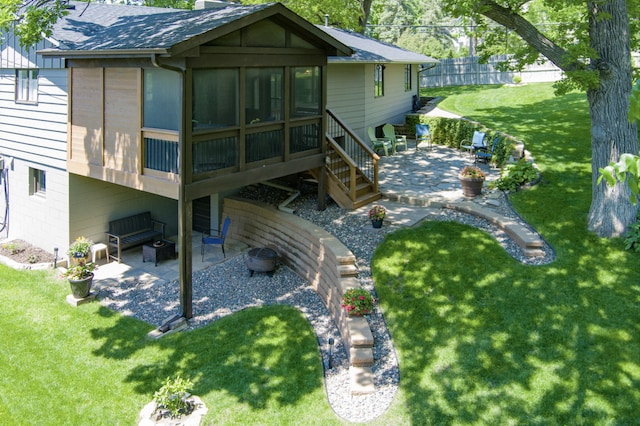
(471, 186)
(81, 288)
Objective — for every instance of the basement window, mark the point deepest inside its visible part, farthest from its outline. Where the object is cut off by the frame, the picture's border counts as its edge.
(37, 182)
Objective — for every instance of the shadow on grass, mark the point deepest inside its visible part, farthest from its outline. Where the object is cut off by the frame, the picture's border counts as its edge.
(260, 356)
(484, 339)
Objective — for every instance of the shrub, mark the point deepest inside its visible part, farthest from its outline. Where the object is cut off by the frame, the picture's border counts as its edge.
(632, 236)
(173, 395)
(513, 176)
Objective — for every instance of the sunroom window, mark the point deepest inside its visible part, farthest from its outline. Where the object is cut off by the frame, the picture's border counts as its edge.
(161, 99)
(263, 100)
(306, 91)
(215, 98)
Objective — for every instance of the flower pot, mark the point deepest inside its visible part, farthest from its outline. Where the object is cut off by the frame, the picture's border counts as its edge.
(471, 186)
(75, 259)
(376, 223)
(82, 287)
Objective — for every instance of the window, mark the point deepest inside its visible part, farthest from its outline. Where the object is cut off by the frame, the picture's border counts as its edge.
(378, 81)
(27, 86)
(161, 99)
(215, 98)
(37, 182)
(407, 78)
(306, 91)
(263, 100)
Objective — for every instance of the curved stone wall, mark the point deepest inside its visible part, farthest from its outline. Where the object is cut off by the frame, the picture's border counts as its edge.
(318, 257)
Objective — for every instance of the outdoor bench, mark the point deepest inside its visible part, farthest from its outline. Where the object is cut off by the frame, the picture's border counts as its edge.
(131, 231)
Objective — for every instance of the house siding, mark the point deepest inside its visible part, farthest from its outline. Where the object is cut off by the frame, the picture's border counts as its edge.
(351, 96)
(346, 94)
(93, 203)
(33, 136)
(12, 55)
(395, 104)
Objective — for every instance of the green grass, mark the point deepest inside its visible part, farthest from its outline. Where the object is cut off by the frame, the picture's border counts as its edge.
(481, 338)
(91, 366)
(484, 339)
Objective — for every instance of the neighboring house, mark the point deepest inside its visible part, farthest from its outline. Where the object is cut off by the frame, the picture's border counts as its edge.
(376, 84)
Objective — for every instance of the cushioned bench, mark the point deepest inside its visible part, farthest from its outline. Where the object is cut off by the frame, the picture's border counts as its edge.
(132, 231)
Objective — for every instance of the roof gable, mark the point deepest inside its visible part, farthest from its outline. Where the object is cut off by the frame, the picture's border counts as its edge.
(115, 29)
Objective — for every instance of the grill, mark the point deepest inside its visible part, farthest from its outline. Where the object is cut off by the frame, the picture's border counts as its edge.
(261, 260)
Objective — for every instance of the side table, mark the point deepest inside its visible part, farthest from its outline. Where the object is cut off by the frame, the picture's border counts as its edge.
(158, 250)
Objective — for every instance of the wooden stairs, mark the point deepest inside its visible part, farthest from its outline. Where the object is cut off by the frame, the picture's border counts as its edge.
(351, 166)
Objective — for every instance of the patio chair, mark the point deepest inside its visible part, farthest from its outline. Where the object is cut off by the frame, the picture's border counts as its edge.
(216, 239)
(423, 136)
(477, 142)
(396, 140)
(484, 154)
(379, 143)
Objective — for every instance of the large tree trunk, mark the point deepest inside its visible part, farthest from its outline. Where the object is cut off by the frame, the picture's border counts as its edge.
(611, 133)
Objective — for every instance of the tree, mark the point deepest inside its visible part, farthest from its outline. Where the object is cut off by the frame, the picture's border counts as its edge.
(416, 25)
(592, 46)
(628, 166)
(30, 19)
(349, 14)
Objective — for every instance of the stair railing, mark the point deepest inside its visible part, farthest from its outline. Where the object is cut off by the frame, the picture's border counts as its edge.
(343, 141)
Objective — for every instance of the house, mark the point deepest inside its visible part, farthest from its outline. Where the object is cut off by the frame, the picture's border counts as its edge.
(375, 85)
(127, 109)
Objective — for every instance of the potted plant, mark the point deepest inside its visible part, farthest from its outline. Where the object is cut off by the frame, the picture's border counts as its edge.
(80, 277)
(377, 215)
(357, 302)
(471, 179)
(80, 249)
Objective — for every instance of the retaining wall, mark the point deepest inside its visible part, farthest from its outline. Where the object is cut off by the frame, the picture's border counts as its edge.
(318, 257)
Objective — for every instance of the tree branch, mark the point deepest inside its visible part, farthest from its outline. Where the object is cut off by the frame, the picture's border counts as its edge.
(528, 32)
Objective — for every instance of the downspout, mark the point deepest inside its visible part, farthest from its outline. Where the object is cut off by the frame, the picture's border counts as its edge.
(184, 207)
(293, 194)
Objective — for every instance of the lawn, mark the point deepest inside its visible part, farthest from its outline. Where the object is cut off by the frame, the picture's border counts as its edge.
(90, 366)
(483, 339)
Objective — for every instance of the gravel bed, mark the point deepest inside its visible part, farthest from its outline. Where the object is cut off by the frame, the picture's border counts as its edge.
(227, 288)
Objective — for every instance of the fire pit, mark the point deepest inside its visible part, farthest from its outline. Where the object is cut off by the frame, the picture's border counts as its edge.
(261, 260)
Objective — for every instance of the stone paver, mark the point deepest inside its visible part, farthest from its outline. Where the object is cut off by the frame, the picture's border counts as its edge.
(412, 182)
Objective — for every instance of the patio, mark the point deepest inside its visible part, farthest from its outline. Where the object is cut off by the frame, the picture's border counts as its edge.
(412, 182)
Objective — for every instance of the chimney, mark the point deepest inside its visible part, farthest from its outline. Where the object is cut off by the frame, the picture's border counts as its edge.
(326, 19)
(209, 4)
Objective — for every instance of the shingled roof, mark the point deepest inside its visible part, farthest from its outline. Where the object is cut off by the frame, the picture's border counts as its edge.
(118, 29)
(370, 50)
(100, 26)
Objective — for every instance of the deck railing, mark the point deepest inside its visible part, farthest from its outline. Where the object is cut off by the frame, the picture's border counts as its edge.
(221, 150)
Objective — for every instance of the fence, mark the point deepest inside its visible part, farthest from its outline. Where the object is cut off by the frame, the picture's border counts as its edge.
(467, 71)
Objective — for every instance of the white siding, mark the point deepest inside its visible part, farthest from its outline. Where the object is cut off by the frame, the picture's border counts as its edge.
(93, 203)
(350, 95)
(346, 94)
(34, 136)
(395, 104)
(40, 220)
(35, 132)
(12, 55)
